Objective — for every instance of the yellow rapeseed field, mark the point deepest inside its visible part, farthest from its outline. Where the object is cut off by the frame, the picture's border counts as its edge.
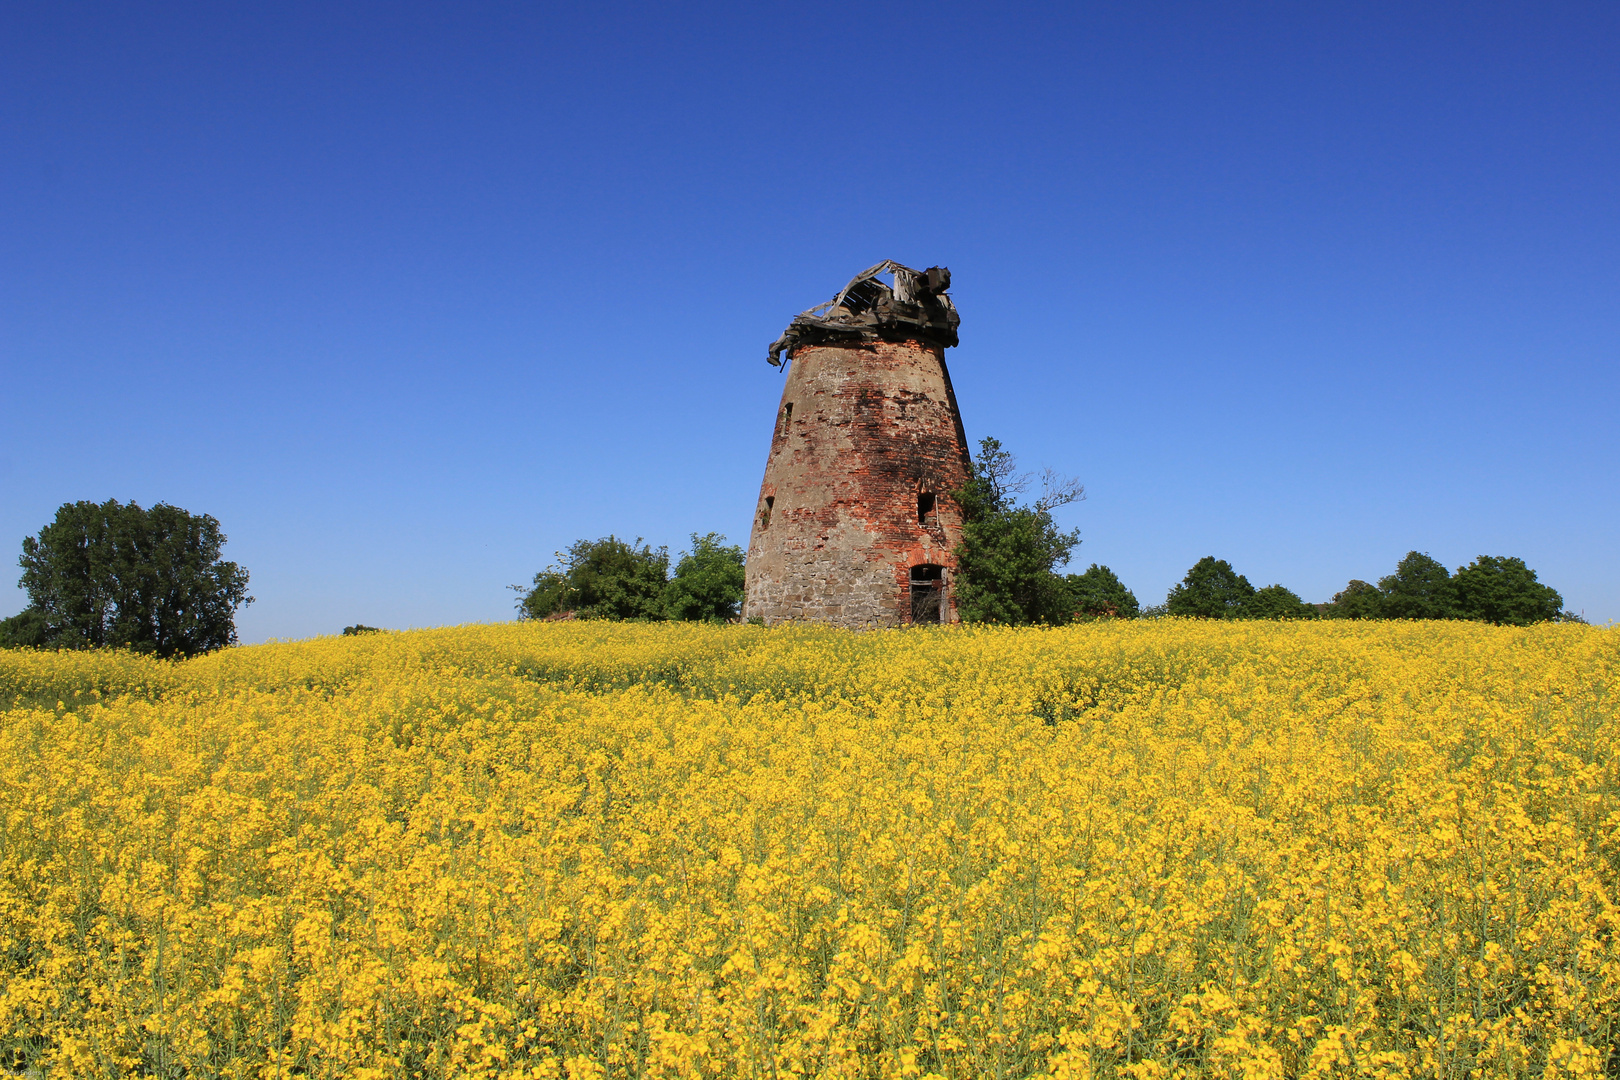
(1144, 849)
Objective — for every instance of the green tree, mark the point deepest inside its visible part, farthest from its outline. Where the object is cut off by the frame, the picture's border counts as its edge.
(1358, 600)
(600, 579)
(1276, 602)
(28, 629)
(1099, 594)
(1211, 590)
(708, 581)
(1503, 590)
(1007, 558)
(108, 574)
(1420, 588)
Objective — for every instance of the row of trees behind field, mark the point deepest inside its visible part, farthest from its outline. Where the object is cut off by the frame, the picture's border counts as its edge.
(1010, 571)
(611, 579)
(1498, 589)
(113, 574)
(1009, 560)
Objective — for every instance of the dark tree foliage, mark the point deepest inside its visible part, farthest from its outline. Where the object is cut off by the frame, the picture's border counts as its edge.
(1099, 594)
(1495, 589)
(1276, 602)
(113, 574)
(27, 629)
(1359, 600)
(1211, 590)
(600, 579)
(1004, 570)
(361, 628)
(1420, 588)
(1006, 561)
(1504, 591)
(708, 581)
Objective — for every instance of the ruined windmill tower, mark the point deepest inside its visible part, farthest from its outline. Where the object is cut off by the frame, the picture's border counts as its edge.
(855, 524)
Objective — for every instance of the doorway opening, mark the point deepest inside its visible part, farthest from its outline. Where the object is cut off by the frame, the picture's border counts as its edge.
(927, 592)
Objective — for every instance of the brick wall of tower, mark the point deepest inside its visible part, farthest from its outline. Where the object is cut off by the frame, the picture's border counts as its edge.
(836, 529)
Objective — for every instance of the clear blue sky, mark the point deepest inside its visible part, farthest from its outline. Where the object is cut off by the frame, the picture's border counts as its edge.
(409, 297)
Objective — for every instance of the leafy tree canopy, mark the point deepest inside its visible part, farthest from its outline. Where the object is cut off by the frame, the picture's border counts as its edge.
(708, 581)
(1276, 602)
(1359, 600)
(1006, 561)
(600, 579)
(1211, 590)
(109, 574)
(1420, 588)
(28, 629)
(1495, 589)
(361, 628)
(1503, 590)
(1099, 594)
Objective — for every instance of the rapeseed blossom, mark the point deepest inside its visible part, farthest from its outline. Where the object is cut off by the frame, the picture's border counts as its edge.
(1138, 849)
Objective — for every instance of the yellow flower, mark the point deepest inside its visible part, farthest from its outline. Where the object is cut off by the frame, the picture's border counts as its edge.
(1146, 849)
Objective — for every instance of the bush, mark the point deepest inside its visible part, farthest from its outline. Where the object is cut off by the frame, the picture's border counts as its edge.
(600, 579)
(708, 581)
(610, 579)
(1099, 594)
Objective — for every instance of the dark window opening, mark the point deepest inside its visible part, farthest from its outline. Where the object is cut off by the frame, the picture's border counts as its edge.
(925, 507)
(765, 514)
(787, 416)
(927, 593)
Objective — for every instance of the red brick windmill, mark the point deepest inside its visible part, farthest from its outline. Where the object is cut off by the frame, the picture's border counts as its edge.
(856, 524)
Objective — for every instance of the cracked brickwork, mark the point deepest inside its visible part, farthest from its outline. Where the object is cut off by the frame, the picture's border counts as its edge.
(864, 433)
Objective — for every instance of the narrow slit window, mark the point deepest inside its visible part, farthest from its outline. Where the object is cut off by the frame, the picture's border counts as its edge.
(787, 416)
(925, 507)
(765, 514)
